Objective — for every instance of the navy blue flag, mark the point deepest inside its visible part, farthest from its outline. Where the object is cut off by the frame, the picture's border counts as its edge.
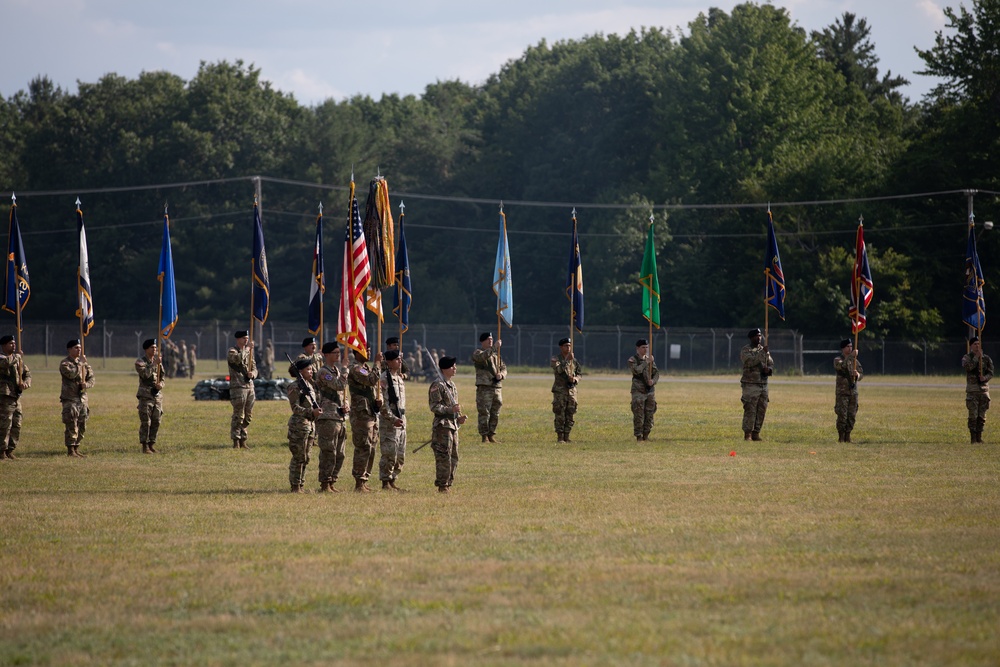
(574, 281)
(18, 285)
(86, 310)
(261, 284)
(168, 288)
(774, 277)
(401, 298)
(317, 286)
(973, 303)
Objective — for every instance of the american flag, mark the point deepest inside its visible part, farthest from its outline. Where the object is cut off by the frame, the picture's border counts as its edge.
(357, 275)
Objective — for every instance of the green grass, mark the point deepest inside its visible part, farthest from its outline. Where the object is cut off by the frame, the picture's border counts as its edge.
(795, 551)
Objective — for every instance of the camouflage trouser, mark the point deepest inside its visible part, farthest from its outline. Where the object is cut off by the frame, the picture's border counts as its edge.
(10, 422)
(150, 412)
(242, 400)
(846, 407)
(754, 406)
(300, 434)
(331, 437)
(74, 416)
(444, 442)
(488, 403)
(643, 409)
(977, 404)
(364, 435)
(392, 442)
(564, 408)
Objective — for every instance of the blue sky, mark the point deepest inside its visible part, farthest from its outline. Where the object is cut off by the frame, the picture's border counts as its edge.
(318, 49)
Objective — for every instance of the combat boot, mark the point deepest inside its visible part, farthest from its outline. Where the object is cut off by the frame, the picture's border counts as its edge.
(385, 485)
(443, 489)
(755, 435)
(243, 444)
(236, 443)
(559, 437)
(746, 435)
(847, 436)
(492, 439)
(145, 448)
(840, 435)
(9, 454)
(484, 438)
(566, 437)
(69, 450)
(392, 485)
(972, 436)
(296, 489)
(77, 453)
(151, 450)
(360, 486)
(324, 487)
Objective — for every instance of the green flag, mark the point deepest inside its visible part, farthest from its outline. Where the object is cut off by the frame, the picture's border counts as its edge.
(649, 281)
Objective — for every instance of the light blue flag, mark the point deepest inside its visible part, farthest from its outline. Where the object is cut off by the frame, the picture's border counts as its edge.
(168, 291)
(501, 276)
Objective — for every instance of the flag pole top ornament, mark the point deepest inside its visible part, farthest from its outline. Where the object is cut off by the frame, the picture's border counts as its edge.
(321, 208)
(401, 206)
(78, 202)
(650, 218)
(352, 173)
(861, 219)
(574, 213)
(13, 198)
(165, 207)
(501, 206)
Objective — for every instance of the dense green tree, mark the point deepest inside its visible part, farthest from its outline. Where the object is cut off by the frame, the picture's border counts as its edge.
(847, 45)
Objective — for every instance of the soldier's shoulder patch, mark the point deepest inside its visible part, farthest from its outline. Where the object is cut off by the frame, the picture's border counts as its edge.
(362, 370)
(327, 376)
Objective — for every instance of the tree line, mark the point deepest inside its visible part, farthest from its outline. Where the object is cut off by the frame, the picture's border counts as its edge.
(743, 108)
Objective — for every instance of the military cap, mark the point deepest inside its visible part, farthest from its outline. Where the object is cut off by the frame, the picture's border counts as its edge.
(844, 343)
(242, 333)
(484, 336)
(563, 341)
(6, 339)
(308, 340)
(330, 347)
(390, 355)
(148, 343)
(73, 342)
(753, 332)
(392, 340)
(974, 339)
(641, 342)
(446, 362)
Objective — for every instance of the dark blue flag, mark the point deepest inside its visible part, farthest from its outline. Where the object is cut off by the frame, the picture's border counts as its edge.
(774, 277)
(261, 284)
(168, 289)
(973, 303)
(317, 286)
(401, 295)
(18, 285)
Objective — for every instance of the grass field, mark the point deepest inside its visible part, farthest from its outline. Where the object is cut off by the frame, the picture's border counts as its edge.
(794, 551)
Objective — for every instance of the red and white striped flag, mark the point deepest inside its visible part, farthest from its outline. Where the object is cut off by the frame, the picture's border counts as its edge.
(356, 277)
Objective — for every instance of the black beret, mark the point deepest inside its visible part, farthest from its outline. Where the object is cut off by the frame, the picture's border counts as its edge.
(392, 340)
(6, 339)
(391, 354)
(974, 339)
(148, 343)
(330, 347)
(641, 342)
(302, 364)
(484, 336)
(73, 342)
(563, 341)
(844, 343)
(309, 340)
(242, 333)
(446, 362)
(753, 332)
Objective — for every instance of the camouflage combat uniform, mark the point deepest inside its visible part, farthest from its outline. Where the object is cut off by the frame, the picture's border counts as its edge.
(331, 434)
(316, 361)
(567, 376)
(643, 395)
(77, 378)
(846, 402)
(241, 394)
(301, 427)
(150, 402)
(11, 414)
(362, 380)
(757, 367)
(490, 372)
(392, 438)
(443, 397)
(977, 393)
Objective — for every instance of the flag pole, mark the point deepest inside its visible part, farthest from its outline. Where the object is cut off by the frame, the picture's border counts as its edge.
(765, 292)
(17, 288)
(80, 311)
(320, 332)
(499, 302)
(572, 288)
(857, 297)
(649, 338)
(253, 272)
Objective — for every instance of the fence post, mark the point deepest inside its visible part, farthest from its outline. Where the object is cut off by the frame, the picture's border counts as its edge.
(713, 349)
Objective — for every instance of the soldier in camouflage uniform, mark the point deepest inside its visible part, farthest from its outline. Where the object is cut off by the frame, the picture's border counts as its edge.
(267, 360)
(150, 406)
(645, 375)
(448, 418)
(77, 378)
(365, 405)
(849, 373)
(242, 372)
(14, 379)
(392, 343)
(757, 367)
(301, 423)
(392, 422)
(567, 375)
(490, 372)
(978, 373)
(310, 354)
(331, 433)
(192, 359)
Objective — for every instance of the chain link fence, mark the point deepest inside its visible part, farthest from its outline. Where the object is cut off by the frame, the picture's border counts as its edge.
(678, 350)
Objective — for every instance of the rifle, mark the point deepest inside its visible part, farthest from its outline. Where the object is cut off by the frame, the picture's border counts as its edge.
(303, 389)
